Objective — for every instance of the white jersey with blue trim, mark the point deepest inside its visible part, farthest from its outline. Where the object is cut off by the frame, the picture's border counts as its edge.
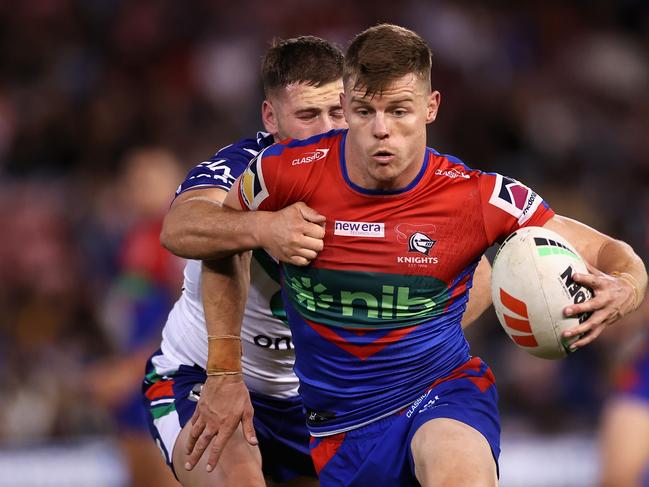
(268, 354)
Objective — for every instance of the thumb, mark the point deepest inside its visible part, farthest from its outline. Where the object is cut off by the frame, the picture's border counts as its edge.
(249, 429)
(309, 214)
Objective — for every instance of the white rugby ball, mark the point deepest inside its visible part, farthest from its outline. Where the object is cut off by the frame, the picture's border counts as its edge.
(531, 284)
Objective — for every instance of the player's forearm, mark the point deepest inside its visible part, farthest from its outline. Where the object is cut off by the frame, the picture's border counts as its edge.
(618, 258)
(224, 287)
(476, 306)
(204, 229)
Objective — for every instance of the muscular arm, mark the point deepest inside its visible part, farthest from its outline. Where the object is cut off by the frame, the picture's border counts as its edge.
(617, 276)
(198, 226)
(225, 401)
(480, 294)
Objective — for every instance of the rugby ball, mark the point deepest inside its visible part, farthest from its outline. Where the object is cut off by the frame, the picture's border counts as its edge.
(531, 284)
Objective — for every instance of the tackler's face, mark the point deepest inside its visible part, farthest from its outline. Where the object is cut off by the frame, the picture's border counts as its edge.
(387, 131)
(300, 111)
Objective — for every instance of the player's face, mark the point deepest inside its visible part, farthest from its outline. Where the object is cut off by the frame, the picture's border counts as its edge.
(300, 111)
(387, 133)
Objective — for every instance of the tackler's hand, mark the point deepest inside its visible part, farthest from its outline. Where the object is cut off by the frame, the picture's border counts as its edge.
(295, 234)
(224, 403)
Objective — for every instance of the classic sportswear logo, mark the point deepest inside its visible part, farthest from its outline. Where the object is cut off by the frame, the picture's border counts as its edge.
(416, 404)
(452, 173)
(316, 155)
(359, 229)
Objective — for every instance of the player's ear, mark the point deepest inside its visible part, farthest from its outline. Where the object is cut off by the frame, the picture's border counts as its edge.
(269, 118)
(434, 99)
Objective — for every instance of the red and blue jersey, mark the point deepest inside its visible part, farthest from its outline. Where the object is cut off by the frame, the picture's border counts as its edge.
(376, 316)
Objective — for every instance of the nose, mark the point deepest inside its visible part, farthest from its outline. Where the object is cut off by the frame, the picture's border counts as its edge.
(327, 124)
(379, 126)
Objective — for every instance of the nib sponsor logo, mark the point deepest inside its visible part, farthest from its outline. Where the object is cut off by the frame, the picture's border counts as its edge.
(386, 302)
(316, 155)
(520, 322)
(310, 296)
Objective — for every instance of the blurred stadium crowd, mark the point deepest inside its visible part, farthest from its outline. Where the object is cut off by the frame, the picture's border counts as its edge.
(105, 104)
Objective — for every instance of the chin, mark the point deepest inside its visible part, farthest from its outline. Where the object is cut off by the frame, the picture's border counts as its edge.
(384, 178)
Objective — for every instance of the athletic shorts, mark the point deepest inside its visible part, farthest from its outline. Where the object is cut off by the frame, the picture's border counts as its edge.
(280, 424)
(379, 454)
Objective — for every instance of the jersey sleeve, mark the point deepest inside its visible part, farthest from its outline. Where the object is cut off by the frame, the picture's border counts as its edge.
(223, 168)
(262, 188)
(508, 205)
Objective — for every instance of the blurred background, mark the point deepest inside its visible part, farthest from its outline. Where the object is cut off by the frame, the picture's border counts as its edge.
(105, 104)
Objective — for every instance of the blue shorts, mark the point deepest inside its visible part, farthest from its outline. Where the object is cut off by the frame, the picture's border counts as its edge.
(379, 453)
(280, 424)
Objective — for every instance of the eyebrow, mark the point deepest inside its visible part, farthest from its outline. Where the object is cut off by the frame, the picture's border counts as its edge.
(356, 99)
(364, 99)
(401, 100)
(308, 110)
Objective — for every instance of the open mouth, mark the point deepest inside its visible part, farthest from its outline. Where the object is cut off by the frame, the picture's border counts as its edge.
(383, 155)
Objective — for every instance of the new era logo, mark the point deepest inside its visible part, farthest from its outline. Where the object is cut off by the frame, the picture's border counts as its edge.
(359, 229)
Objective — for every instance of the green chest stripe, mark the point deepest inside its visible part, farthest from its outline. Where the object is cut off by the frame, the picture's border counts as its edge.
(354, 299)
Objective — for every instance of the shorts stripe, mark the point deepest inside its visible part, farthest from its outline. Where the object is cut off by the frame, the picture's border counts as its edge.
(168, 429)
(161, 411)
(323, 449)
(162, 388)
